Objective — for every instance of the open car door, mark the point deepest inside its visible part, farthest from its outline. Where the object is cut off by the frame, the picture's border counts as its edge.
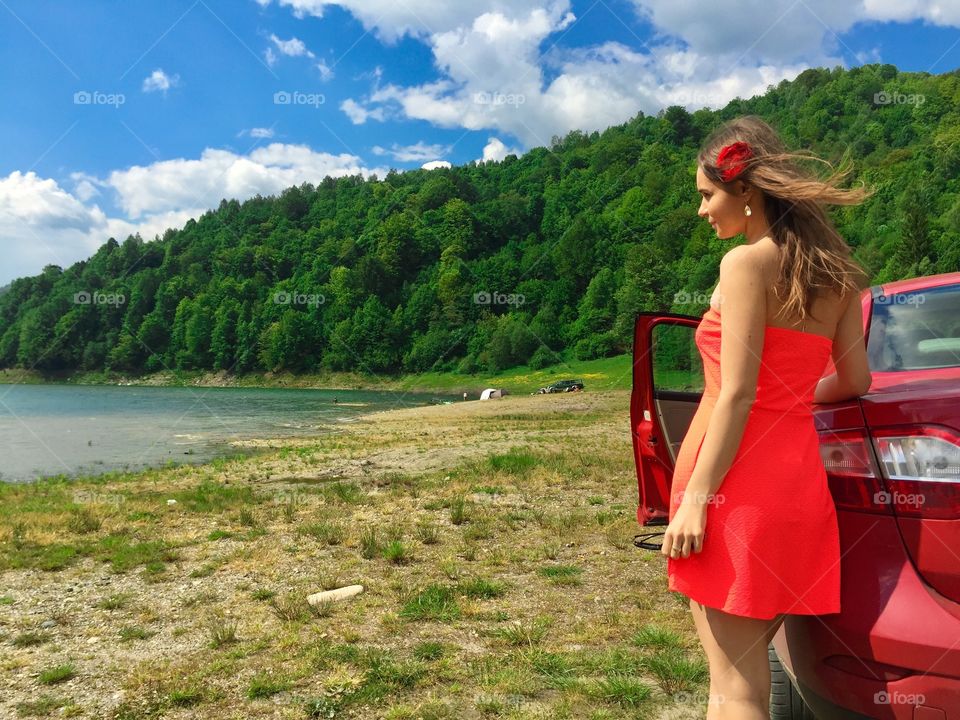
(667, 387)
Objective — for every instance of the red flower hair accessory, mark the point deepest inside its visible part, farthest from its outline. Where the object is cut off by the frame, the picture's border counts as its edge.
(732, 159)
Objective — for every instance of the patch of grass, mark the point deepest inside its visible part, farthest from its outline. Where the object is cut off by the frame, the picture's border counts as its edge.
(675, 671)
(135, 633)
(265, 685)
(290, 508)
(557, 670)
(657, 637)
(428, 533)
(263, 594)
(186, 697)
(254, 533)
(125, 553)
(292, 607)
(117, 601)
(519, 635)
(451, 568)
(623, 690)
(469, 550)
(347, 493)
(605, 517)
(41, 707)
(330, 580)
(397, 553)
(551, 550)
(324, 608)
(204, 570)
(247, 518)
(398, 674)
(55, 557)
(562, 574)
(212, 497)
(30, 639)
(458, 510)
(428, 650)
(222, 631)
(83, 520)
(57, 674)
(325, 532)
(219, 535)
(395, 531)
(482, 529)
(6, 600)
(480, 588)
(517, 461)
(435, 602)
(369, 543)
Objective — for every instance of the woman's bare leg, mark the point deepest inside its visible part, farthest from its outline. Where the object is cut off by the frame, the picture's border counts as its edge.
(736, 649)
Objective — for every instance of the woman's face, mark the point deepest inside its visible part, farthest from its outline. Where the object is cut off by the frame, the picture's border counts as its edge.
(722, 208)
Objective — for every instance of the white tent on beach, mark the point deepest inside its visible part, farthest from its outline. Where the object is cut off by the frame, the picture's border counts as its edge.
(492, 393)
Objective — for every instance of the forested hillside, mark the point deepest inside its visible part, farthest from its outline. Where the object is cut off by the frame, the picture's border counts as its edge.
(487, 266)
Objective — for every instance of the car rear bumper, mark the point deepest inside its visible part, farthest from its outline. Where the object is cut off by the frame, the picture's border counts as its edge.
(889, 616)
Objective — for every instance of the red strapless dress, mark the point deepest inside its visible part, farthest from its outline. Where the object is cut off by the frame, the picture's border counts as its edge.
(771, 543)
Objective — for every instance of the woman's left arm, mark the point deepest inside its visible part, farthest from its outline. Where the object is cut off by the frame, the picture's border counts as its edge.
(742, 325)
(743, 320)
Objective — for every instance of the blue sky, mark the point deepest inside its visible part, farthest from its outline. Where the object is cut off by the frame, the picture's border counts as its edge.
(124, 117)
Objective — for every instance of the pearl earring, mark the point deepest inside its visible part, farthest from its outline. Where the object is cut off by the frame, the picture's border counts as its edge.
(747, 211)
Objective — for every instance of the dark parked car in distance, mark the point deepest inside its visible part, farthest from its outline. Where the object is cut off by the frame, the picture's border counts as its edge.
(562, 386)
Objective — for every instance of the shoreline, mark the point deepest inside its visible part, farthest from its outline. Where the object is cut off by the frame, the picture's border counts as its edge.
(603, 374)
(331, 381)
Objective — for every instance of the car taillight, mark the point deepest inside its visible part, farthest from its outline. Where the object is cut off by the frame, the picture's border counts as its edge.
(921, 470)
(921, 467)
(852, 472)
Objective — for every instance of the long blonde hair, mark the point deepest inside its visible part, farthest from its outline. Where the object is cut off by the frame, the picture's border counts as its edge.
(813, 255)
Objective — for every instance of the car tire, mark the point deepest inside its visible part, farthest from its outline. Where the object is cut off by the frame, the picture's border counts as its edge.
(785, 700)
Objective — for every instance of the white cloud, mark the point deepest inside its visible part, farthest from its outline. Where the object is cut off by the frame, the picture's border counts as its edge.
(784, 31)
(496, 151)
(173, 184)
(158, 80)
(260, 132)
(494, 78)
(294, 47)
(358, 114)
(413, 153)
(42, 223)
(326, 72)
(750, 31)
(85, 186)
(938, 12)
(434, 164)
(391, 20)
(493, 73)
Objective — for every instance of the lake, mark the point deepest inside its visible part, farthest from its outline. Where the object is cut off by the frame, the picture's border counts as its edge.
(79, 430)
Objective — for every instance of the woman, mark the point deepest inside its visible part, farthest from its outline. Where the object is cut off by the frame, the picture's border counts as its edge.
(752, 532)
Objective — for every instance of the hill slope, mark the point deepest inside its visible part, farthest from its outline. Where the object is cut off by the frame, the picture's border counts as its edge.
(487, 266)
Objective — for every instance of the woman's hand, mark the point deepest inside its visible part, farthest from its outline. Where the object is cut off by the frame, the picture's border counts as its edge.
(685, 532)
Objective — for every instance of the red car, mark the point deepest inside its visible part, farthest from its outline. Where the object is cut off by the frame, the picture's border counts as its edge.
(892, 458)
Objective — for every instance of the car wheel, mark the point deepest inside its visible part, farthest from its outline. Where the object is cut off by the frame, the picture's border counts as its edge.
(785, 700)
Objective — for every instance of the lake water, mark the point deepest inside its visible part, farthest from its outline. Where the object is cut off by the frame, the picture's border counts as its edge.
(71, 430)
